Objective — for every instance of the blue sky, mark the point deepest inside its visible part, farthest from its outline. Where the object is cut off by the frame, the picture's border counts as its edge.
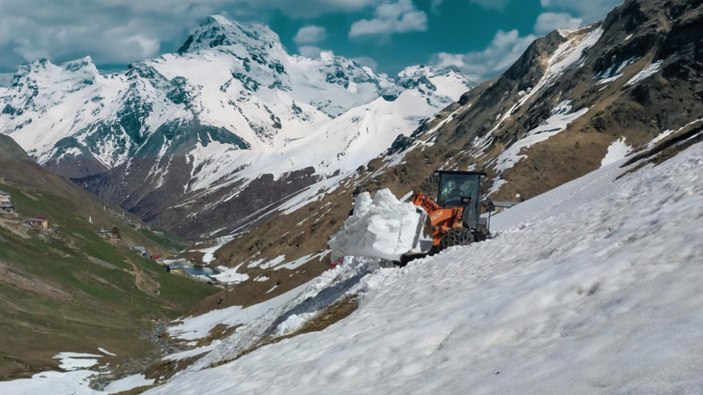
(481, 36)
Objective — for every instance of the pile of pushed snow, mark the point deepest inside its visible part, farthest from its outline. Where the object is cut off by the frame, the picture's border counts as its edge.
(382, 227)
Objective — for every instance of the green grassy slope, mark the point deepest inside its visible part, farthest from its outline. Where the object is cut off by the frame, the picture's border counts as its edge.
(70, 290)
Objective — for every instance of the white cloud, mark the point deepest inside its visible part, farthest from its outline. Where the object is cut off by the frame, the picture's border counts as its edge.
(310, 34)
(391, 18)
(549, 21)
(366, 61)
(588, 11)
(327, 55)
(119, 31)
(310, 51)
(110, 34)
(504, 50)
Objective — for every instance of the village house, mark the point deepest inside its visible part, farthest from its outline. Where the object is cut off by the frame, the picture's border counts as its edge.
(6, 206)
(141, 250)
(38, 221)
(4, 197)
(107, 234)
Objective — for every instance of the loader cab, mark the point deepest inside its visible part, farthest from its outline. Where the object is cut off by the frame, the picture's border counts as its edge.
(460, 189)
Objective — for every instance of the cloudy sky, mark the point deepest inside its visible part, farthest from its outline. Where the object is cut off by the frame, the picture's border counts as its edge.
(481, 36)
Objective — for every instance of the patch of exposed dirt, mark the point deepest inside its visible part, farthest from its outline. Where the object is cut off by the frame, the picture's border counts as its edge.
(102, 263)
(334, 313)
(164, 370)
(136, 391)
(26, 283)
(14, 226)
(145, 283)
(219, 332)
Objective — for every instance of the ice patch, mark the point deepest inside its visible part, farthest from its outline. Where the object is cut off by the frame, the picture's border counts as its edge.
(645, 73)
(209, 253)
(560, 118)
(104, 351)
(229, 275)
(616, 151)
(75, 360)
(302, 260)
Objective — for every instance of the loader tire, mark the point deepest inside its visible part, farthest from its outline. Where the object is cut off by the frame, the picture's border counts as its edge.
(457, 237)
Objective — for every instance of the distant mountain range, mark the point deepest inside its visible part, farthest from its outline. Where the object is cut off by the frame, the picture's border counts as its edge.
(200, 140)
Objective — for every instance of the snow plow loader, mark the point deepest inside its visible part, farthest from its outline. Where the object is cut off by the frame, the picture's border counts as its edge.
(386, 228)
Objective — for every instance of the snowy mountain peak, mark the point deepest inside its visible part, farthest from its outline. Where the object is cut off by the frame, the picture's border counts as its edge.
(218, 31)
(83, 66)
(445, 79)
(229, 107)
(85, 63)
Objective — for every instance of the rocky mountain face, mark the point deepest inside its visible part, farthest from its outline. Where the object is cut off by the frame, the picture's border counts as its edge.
(229, 128)
(573, 102)
(576, 99)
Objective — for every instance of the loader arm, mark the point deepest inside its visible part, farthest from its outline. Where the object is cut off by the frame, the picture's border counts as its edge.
(442, 219)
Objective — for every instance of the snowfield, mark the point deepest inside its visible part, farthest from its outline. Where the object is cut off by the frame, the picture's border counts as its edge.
(594, 287)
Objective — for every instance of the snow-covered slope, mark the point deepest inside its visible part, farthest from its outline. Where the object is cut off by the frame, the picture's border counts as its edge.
(229, 107)
(594, 287)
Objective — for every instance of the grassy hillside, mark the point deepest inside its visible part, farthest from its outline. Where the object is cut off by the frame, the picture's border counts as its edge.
(67, 289)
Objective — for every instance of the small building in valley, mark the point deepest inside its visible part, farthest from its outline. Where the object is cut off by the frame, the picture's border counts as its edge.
(4, 197)
(6, 206)
(141, 250)
(38, 221)
(107, 234)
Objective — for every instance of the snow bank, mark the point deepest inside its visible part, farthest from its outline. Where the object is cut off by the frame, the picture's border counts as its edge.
(616, 151)
(381, 228)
